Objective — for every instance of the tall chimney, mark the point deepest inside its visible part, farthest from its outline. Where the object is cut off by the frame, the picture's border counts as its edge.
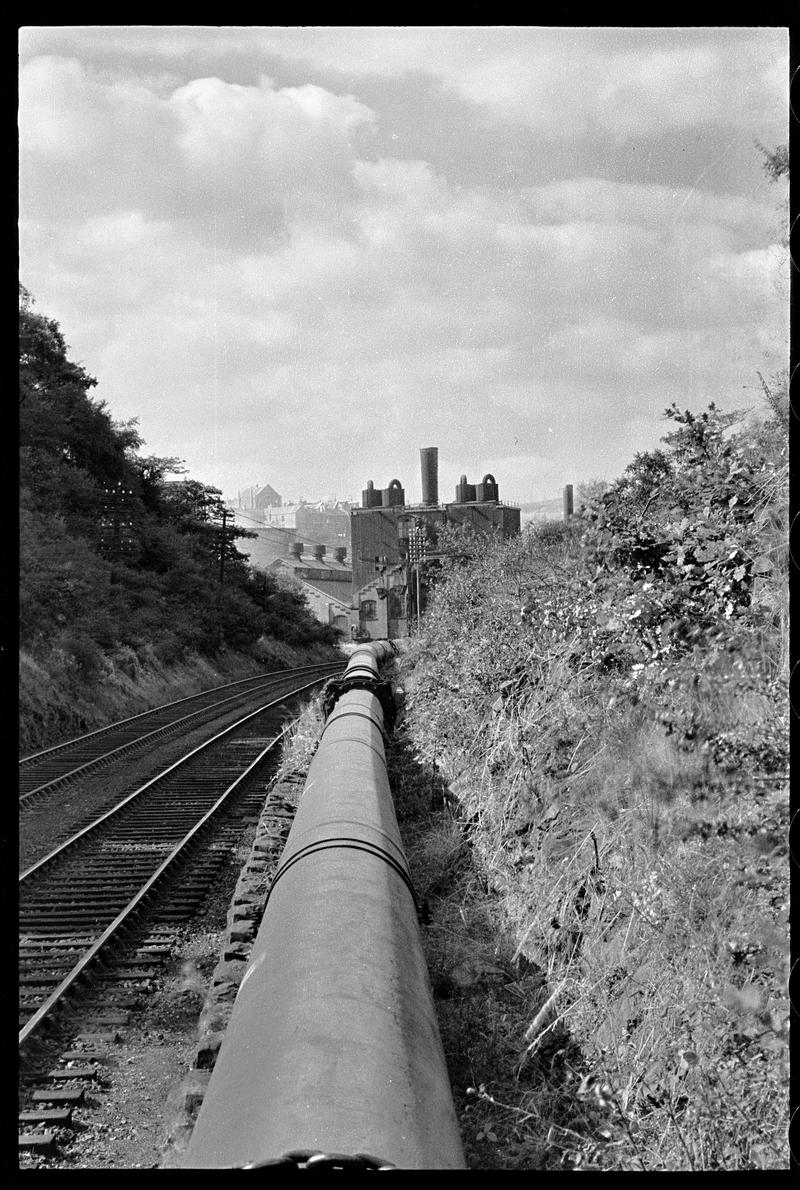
(568, 508)
(429, 457)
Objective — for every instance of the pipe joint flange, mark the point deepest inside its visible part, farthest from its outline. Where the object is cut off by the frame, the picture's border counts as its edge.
(311, 1159)
(334, 688)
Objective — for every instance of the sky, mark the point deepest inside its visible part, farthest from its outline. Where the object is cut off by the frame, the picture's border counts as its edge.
(297, 255)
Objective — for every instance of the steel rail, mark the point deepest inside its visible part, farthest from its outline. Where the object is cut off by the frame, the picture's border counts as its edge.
(267, 680)
(124, 916)
(166, 706)
(333, 1046)
(59, 851)
(74, 741)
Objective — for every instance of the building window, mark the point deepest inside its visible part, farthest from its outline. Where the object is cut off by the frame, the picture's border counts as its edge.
(369, 609)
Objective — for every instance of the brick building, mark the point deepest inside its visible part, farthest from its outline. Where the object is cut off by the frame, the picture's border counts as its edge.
(392, 543)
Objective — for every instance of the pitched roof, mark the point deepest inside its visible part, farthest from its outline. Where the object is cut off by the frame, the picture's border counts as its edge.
(329, 590)
(339, 571)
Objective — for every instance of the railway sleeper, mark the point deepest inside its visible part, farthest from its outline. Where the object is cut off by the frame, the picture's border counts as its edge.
(100, 1016)
(29, 952)
(81, 1073)
(100, 1056)
(102, 1000)
(137, 973)
(88, 883)
(43, 979)
(149, 958)
(63, 937)
(62, 1116)
(40, 1142)
(176, 915)
(74, 917)
(98, 904)
(60, 1095)
(41, 963)
(47, 972)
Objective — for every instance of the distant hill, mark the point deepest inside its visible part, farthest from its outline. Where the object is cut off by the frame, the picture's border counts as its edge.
(541, 510)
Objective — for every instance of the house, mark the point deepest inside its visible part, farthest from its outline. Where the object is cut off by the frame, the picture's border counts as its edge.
(258, 496)
(283, 516)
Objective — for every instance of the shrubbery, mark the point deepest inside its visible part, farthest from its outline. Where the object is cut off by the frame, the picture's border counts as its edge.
(607, 702)
(119, 556)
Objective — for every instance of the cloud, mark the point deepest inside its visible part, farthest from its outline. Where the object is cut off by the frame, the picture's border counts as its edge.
(223, 159)
(571, 81)
(243, 269)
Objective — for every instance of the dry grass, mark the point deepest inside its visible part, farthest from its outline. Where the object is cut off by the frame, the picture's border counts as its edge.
(301, 741)
(57, 700)
(642, 874)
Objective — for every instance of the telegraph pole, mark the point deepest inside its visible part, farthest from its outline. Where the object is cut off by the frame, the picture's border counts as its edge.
(417, 553)
(222, 548)
(113, 506)
(568, 508)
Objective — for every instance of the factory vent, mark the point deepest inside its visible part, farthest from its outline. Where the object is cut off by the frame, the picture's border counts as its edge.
(319, 552)
(465, 492)
(296, 549)
(340, 553)
(393, 496)
(429, 458)
(487, 491)
(371, 497)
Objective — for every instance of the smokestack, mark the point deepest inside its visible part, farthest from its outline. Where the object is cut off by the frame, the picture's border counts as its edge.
(429, 457)
(568, 509)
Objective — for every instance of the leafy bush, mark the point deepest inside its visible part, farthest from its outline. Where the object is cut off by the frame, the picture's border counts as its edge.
(606, 703)
(117, 553)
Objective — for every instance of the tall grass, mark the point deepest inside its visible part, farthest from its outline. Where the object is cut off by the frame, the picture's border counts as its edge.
(73, 687)
(620, 777)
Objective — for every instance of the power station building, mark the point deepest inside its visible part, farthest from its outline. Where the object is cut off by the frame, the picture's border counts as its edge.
(392, 542)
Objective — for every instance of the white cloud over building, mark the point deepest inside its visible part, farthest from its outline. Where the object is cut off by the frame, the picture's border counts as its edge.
(304, 253)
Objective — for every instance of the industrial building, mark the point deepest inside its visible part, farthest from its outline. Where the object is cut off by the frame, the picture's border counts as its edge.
(326, 581)
(381, 591)
(393, 542)
(326, 522)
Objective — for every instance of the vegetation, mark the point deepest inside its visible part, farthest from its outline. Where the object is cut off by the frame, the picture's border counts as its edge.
(600, 711)
(127, 567)
(592, 777)
(590, 771)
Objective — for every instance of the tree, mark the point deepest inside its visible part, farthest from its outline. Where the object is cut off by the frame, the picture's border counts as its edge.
(118, 548)
(776, 161)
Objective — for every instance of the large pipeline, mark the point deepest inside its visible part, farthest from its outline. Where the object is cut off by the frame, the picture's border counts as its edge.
(333, 1047)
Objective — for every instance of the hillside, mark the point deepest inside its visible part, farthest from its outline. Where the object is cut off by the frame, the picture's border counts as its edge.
(541, 510)
(132, 589)
(593, 777)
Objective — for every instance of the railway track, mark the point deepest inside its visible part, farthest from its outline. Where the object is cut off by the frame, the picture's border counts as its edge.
(92, 912)
(43, 772)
